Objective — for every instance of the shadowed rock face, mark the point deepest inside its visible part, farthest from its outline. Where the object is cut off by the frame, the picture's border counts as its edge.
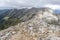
(34, 26)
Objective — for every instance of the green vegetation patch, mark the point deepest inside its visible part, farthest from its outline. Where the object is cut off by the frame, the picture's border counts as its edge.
(9, 22)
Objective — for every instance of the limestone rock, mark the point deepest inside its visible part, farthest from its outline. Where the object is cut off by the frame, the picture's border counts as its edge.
(34, 27)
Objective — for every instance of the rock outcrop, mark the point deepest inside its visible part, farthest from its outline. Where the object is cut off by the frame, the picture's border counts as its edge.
(37, 24)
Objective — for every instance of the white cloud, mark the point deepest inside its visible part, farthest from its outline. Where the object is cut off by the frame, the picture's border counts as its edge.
(27, 3)
(52, 6)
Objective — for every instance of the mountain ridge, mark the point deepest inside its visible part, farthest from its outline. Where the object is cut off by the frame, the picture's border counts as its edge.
(34, 24)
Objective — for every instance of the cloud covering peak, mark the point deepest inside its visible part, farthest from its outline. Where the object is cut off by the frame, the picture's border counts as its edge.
(52, 6)
(26, 3)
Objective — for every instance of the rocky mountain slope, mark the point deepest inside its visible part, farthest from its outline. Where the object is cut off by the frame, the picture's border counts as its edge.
(36, 24)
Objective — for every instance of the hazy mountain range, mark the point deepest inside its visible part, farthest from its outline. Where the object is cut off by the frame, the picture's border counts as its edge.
(7, 16)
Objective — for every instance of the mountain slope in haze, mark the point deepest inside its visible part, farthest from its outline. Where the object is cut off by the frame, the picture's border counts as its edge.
(57, 11)
(10, 17)
(36, 24)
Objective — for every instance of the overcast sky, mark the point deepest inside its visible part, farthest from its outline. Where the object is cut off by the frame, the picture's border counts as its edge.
(29, 3)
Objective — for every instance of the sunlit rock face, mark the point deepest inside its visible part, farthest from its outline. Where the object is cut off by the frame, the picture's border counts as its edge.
(35, 26)
(47, 15)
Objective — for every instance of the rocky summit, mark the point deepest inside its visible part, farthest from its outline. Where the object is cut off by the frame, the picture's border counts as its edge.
(36, 24)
